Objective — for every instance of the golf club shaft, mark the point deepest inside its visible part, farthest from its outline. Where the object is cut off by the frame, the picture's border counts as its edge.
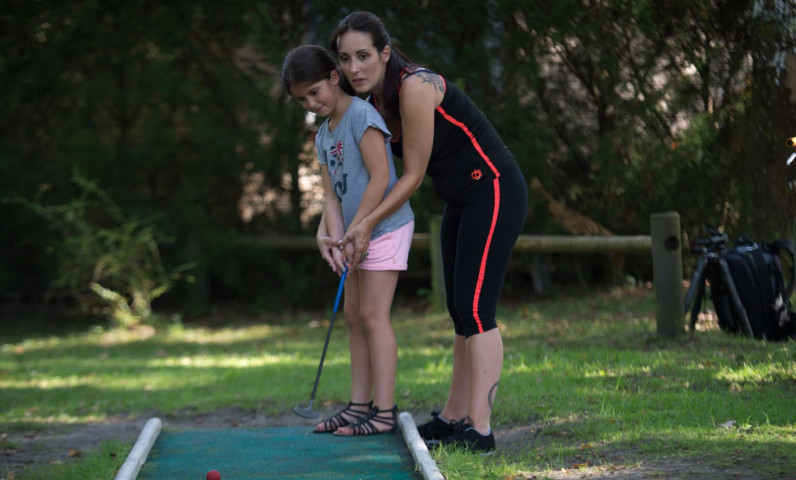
(329, 333)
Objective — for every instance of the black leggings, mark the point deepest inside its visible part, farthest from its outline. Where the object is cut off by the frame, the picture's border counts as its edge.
(478, 233)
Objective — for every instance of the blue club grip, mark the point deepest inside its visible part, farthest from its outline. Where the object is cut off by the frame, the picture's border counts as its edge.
(340, 289)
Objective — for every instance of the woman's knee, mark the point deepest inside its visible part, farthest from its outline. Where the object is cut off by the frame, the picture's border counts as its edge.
(471, 319)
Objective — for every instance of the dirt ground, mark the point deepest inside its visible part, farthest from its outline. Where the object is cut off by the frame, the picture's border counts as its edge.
(19, 450)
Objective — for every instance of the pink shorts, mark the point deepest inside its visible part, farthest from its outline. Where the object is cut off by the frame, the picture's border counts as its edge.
(391, 250)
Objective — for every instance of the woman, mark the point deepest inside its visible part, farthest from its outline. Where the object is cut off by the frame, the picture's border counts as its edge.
(438, 131)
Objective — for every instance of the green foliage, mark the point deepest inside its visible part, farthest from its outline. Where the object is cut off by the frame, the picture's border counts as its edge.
(620, 109)
(615, 99)
(268, 280)
(104, 252)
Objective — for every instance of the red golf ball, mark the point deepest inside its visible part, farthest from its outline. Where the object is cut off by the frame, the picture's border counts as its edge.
(213, 475)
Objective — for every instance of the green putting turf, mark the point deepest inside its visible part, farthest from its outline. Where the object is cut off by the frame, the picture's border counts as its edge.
(276, 453)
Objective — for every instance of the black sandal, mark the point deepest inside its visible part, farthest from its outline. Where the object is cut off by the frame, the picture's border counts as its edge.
(340, 419)
(367, 424)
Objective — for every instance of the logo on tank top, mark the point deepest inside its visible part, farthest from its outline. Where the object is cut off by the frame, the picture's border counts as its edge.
(476, 174)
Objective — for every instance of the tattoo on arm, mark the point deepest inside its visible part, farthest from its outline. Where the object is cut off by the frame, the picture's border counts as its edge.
(491, 395)
(434, 79)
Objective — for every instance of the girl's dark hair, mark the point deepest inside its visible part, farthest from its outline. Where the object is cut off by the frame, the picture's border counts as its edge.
(372, 25)
(308, 64)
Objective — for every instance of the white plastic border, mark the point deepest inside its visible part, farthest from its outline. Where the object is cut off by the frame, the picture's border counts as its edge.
(137, 457)
(426, 464)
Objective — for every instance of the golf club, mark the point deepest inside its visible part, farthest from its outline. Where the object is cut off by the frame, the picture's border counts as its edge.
(307, 412)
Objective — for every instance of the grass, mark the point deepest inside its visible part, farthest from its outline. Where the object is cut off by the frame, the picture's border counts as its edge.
(100, 464)
(587, 387)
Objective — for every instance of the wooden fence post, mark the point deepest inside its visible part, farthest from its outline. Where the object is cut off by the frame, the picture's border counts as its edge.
(667, 273)
(438, 302)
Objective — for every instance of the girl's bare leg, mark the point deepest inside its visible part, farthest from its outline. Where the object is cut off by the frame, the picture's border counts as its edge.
(361, 375)
(376, 291)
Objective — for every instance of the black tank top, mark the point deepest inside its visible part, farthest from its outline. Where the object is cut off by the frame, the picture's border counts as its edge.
(467, 149)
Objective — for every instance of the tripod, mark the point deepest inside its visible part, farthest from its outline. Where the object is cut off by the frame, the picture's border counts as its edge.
(710, 257)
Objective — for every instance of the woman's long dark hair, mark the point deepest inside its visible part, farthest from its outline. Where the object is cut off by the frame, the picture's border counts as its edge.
(372, 25)
(308, 64)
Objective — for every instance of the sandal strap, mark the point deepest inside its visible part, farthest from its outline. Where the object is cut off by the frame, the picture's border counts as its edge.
(339, 419)
(366, 425)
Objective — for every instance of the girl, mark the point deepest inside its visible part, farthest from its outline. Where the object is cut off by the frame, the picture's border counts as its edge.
(438, 131)
(357, 171)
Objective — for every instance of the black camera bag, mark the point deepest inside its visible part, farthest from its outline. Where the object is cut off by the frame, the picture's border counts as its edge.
(756, 270)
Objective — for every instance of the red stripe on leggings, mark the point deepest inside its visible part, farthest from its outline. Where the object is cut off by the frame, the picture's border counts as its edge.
(484, 256)
(480, 283)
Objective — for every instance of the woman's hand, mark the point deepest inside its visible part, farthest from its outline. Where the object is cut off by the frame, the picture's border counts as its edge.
(339, 260)
(355, 244)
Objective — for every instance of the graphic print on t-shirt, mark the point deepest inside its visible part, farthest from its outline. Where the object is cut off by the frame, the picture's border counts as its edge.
(336, 161)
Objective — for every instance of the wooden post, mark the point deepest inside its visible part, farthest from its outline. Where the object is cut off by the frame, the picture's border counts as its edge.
(438, 302)
(667, 273)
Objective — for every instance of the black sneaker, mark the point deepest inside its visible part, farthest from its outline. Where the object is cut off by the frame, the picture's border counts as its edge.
(436, 429)
(470, 440)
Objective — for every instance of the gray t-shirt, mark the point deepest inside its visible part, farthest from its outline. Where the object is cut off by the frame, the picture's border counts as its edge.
(339, 151)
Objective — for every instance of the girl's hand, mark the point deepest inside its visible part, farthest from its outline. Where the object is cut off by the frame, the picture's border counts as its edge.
(355, 244)
(326, 245)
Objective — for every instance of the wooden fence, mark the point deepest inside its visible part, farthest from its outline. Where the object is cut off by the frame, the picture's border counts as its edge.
(663, 244)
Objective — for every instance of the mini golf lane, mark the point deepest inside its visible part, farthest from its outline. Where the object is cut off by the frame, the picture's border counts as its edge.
(276, 453)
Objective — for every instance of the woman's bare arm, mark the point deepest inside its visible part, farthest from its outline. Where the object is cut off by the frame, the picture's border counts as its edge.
(374, 156)
(418, 101)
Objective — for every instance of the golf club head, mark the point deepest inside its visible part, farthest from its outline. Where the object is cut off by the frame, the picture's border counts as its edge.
(305, 412)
